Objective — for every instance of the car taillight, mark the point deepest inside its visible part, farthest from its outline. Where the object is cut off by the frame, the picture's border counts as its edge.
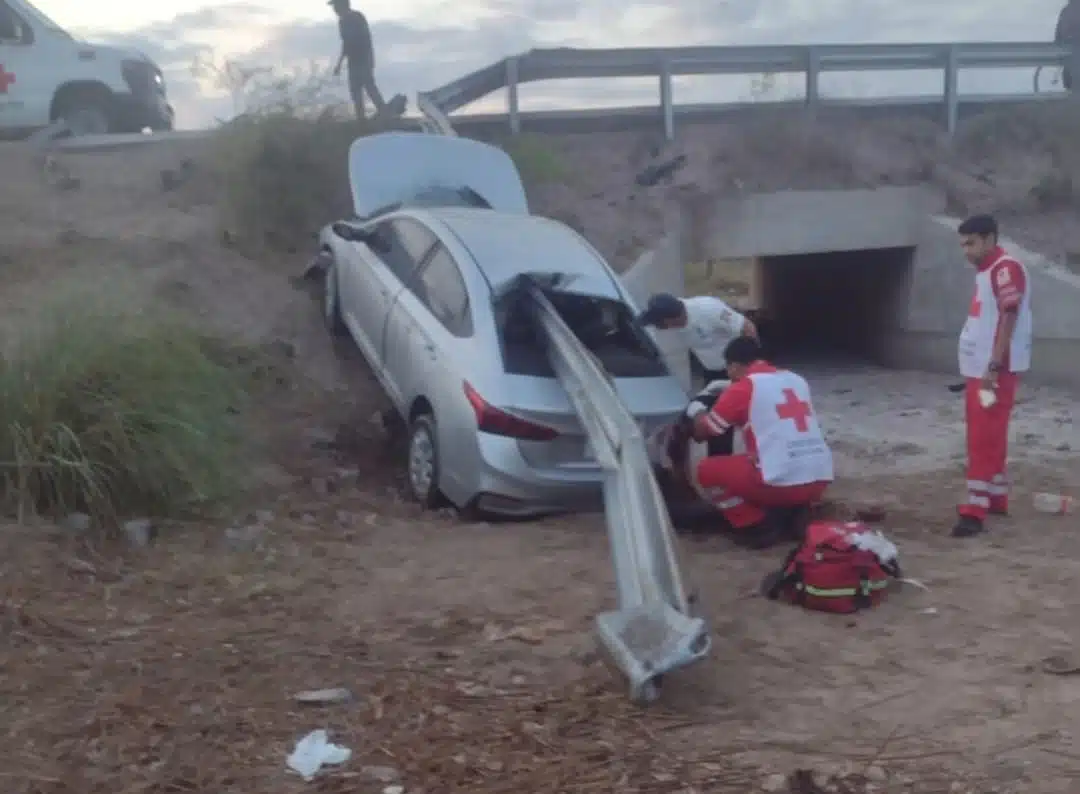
(490, 419)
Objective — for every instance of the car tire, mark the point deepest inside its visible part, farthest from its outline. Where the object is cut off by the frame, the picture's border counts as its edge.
(86, 117)
(331, 303)
(422, 463)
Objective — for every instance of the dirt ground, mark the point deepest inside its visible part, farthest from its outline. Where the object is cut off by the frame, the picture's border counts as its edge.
(467, 648)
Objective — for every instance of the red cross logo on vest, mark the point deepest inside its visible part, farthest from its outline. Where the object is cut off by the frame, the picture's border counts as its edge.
(6, 79)
(794, 409)
(976, 306)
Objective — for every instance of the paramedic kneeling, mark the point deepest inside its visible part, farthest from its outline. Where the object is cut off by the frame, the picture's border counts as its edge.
(787, 463)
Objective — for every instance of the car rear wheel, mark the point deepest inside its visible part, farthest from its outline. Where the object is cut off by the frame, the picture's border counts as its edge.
(423, 462)
(332, 303)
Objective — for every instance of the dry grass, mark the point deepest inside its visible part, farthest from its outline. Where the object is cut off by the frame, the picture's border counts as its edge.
(282, 162)
(284, 176)
(537, 160)
(175, 670)
(1033, 150)
(175, 673)
(114, 410)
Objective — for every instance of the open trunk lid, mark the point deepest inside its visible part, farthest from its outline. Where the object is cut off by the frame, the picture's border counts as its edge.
(393, 168)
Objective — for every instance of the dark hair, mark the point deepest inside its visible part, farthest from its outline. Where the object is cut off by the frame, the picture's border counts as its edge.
(982, 225)
(742, 350)
(662, 307)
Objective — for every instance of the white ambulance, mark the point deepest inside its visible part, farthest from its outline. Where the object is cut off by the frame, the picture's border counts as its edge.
(48, 75)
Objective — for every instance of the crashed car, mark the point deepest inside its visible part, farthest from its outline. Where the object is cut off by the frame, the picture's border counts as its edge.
(432, 281)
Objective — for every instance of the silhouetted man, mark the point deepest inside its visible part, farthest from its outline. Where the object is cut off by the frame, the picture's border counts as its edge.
(1067, 34)
(357, 49)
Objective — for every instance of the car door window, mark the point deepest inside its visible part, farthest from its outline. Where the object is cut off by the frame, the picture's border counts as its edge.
(416, 238)
(12, 29)
(442, 288)
(403, 244)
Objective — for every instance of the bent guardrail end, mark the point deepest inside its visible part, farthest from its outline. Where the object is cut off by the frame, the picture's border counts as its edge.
(647, 642)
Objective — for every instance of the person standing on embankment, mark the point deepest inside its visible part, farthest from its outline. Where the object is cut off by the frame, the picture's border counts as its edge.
(358, 49)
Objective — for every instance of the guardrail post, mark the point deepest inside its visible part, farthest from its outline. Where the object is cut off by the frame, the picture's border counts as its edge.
(512, 110)
(952, 89)
(813, 75)
(667, 106)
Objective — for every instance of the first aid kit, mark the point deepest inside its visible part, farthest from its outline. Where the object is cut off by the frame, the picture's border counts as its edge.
(840, 567)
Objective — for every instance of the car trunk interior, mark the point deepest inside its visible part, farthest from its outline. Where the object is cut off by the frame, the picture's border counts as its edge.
(606, 327)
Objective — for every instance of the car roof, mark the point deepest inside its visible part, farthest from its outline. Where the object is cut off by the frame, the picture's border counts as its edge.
(505, 245)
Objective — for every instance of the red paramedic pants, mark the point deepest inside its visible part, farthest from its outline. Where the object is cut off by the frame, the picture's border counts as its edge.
(988, 447)
(734, 484)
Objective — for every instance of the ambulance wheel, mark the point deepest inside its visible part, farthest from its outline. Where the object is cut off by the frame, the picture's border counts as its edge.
(87, 120)
(84, 109)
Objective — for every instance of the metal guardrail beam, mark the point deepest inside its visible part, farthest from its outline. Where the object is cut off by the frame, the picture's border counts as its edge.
(433, 120)
(641, 116)
(811, 60)
(652, 633)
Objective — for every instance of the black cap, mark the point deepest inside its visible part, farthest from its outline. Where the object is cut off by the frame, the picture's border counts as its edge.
(662, 307)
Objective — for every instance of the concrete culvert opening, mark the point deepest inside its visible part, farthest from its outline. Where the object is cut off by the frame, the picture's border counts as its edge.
(833, 306)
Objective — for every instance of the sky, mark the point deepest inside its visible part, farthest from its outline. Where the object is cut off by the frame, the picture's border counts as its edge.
(423, 44)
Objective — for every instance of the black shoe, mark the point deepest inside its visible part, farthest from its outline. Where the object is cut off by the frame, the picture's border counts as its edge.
(761, 536)
(968, 526)
(696, 517)
(793, 522)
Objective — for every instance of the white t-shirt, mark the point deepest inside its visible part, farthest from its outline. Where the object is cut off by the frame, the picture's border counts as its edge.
(710, 325)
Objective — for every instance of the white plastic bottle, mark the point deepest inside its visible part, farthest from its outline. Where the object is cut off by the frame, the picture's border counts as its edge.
(1054, 503)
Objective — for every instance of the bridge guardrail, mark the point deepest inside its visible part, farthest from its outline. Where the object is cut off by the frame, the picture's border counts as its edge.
(810, 60)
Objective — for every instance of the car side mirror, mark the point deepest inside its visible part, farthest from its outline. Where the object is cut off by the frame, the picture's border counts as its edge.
(348, 232)
(372, 238)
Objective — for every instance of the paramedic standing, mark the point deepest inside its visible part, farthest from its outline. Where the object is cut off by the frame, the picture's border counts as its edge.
(995, 347)
(357, 49)
(787, 465)
(708, 322)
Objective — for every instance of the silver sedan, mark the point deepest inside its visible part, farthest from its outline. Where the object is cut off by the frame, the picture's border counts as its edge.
(432, 290)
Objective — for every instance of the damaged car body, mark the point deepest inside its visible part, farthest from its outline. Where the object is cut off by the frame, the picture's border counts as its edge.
(432, 280)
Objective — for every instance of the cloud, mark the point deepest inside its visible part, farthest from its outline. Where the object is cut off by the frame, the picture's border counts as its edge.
(450, 38)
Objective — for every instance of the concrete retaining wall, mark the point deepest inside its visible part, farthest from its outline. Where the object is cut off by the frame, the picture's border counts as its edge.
(810, 221)
(940, 292)
(924, 313)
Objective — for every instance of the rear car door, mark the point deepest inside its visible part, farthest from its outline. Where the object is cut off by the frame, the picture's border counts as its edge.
(424, 351)
(376, 276)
